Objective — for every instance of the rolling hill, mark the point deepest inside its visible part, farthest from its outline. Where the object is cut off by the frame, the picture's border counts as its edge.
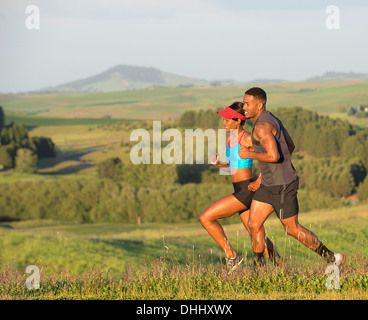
(326, 97)
(125, 77)
(339, 76)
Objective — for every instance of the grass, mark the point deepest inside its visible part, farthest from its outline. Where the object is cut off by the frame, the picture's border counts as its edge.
(169, 103)
(32, 121)
(163, 280)
(162, 261)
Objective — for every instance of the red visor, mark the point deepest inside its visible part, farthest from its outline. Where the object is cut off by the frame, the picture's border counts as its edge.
(229, 113)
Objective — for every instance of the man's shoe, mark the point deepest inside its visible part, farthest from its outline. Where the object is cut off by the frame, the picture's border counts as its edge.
(233, 263)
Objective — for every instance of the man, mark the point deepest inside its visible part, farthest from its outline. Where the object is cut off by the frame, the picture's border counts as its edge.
(278, 191)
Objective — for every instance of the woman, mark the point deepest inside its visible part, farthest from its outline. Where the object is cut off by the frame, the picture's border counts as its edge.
(244, 186)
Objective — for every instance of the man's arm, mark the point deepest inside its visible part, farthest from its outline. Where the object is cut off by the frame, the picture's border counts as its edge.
(263, 133)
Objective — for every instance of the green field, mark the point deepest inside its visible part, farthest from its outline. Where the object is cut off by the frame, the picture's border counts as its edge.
(170, 103)
(156, 256)
(37, 121)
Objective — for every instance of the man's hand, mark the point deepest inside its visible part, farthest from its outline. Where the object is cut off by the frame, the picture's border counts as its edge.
(253, 186)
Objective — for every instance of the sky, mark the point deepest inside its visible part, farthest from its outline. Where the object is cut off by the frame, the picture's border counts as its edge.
(239, 40)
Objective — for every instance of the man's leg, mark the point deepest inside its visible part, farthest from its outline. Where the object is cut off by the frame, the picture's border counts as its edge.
(259, 212)
(270, 250)
(306, 237)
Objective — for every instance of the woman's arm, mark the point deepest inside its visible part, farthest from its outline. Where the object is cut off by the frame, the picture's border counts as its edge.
(214, 159)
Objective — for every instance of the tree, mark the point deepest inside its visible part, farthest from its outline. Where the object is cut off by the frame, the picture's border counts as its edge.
(43, 147)
(110, 168)
(189, 173)
(362, 191)
(187, 119)
(2, 117)
(26, 161)
(6, 158)
(361, 114)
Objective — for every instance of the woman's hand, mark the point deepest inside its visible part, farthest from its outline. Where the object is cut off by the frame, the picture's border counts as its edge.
(214, 159)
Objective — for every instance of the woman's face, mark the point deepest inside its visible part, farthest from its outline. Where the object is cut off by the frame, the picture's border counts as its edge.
(231, 124)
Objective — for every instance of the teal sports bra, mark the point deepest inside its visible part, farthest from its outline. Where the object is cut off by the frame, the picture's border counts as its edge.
(232, 156)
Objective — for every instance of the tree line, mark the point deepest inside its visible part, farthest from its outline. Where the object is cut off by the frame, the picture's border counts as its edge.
(330, 157)
(86, 200)
(356, 111)
(17, 147)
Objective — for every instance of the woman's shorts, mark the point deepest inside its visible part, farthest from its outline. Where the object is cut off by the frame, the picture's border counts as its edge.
(283, 198)
(242, 193)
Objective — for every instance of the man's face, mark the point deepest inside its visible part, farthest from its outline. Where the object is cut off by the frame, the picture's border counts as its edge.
(251, 106)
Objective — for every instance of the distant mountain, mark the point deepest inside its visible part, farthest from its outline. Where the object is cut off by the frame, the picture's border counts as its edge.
(266, 81)
(125, 77)
(339, 76)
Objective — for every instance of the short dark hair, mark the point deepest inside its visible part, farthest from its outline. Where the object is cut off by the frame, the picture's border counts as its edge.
(258, 93)
(238, 107)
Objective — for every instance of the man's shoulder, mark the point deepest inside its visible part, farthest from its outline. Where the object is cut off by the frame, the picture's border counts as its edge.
(262, 129)
(269, 118)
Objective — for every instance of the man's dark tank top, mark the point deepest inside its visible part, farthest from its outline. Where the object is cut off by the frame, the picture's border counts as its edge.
(283, 171)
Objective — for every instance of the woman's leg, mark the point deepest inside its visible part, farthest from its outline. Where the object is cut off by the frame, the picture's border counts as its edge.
(223, 208)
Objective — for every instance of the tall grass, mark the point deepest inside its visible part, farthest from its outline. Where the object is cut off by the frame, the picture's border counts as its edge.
(164, 279)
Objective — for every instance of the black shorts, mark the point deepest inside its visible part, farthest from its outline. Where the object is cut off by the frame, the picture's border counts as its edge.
(242, 193)
(283, 198)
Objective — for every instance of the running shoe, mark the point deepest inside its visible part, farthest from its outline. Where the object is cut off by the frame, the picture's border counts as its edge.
(233, 263)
